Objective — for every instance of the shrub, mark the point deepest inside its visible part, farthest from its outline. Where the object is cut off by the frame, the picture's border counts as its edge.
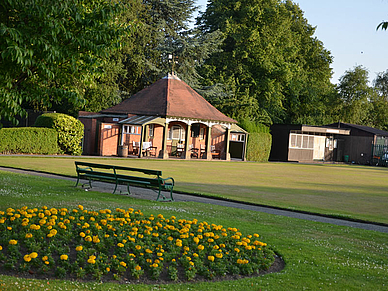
(70, 131)
(259, 140)
(259, 147)
(29, 140)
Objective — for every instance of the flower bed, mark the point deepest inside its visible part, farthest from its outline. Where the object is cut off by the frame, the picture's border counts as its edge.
(124, 244)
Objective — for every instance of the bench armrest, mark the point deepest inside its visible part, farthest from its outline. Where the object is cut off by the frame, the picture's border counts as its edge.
(163, 180)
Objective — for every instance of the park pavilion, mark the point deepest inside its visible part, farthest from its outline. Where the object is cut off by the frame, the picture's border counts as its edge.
(168, 119)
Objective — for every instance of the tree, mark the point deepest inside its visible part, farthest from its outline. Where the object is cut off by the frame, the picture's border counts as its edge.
(52, 51)
(379, 101)
(271, 67)
(163, 30)
(355, 96)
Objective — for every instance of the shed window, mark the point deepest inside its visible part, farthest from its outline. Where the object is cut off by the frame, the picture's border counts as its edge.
(301, 141)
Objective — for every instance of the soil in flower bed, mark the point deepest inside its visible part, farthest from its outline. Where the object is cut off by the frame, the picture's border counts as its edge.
(276, 267)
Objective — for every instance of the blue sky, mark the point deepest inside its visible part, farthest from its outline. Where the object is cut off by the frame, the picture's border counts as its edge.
(347, 29)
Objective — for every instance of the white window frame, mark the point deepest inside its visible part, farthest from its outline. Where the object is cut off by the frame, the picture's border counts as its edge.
(180, 132)
(301, 141)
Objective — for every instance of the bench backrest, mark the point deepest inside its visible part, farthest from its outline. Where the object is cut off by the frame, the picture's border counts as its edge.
(102, 166)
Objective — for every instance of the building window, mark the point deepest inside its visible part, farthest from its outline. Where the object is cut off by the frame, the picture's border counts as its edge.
(201, 133)
(238, 137)
(151, 130)
(176, 132)
(301, 141)
(131, 129)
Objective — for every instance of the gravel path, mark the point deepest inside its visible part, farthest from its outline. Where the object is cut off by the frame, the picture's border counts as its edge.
(143, 193)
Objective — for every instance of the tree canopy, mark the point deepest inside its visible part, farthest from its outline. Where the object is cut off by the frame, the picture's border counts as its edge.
(272, 66)
(51, 51)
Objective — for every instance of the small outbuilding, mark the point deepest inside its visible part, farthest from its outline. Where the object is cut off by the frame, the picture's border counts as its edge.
(337, 142)
(166, 120)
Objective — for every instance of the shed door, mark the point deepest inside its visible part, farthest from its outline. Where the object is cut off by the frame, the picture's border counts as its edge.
(319, 147)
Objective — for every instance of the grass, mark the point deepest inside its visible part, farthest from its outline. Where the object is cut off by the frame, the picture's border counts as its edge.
(318, 256)
(351, 191)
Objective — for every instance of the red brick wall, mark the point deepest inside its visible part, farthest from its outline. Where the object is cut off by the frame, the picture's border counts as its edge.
(109, 139)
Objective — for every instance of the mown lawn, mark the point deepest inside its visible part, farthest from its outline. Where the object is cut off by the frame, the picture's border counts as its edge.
(318, 256)
(351, 191)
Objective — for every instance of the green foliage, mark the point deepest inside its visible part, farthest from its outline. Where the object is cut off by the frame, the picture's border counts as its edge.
(270, 63)
(253, 127)
(70, 131)
(259, 147)
(51, 51)
(259, 140)
(28, 140)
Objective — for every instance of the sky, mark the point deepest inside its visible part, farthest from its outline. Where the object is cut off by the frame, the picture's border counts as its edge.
(347, 29)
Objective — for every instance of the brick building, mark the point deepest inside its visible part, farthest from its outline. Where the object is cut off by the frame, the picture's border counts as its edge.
(167, 119)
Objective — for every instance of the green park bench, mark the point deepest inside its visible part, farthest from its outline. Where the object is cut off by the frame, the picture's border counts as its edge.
(125, 176)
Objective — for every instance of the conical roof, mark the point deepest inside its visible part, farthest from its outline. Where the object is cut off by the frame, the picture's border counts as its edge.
(169, 97)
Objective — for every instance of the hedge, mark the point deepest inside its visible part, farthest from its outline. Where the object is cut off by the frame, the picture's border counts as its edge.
(259, 146)
(28, 140)
(70, 131)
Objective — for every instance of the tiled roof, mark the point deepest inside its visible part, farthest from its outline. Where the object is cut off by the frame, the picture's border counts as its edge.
(169, 97)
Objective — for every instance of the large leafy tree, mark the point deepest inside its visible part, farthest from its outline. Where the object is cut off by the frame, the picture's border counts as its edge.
(355, 97)
(164, 41)
(379, 101)
(52, 51)
(271, 66)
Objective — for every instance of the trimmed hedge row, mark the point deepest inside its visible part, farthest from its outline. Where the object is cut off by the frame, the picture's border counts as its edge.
(259, 146)
(70, 131)
(28, 140)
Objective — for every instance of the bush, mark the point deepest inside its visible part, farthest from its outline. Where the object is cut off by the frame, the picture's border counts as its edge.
(259, 147)
(28, 140)
(259, 140)
(70, 131)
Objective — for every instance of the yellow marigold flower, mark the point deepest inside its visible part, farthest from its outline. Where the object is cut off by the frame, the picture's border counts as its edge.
(210, 240)
(216, 247)
(47, 262)
(88, 238)
(237, 250)
(13, 242)
(196, 240)
(80, 207)
(1, 248)
(9, 228)
(138, 247)
(27, 258)
(137, 268)
(201, 247)
(34, 255)
(79, 248)
(28, 235)
(2, 220)
(123, 264)
(107, 269)
(64, 257)
(159, 254)
(210, 258)
(45, 258)
(219, 255)
(191, 263)
(96, 239)
(91, 261)
(195, 255)
(155, 265)
(120, 245)
(148, 251)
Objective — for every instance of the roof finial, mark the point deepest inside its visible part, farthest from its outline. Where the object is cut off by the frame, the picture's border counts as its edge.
(172, 59)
